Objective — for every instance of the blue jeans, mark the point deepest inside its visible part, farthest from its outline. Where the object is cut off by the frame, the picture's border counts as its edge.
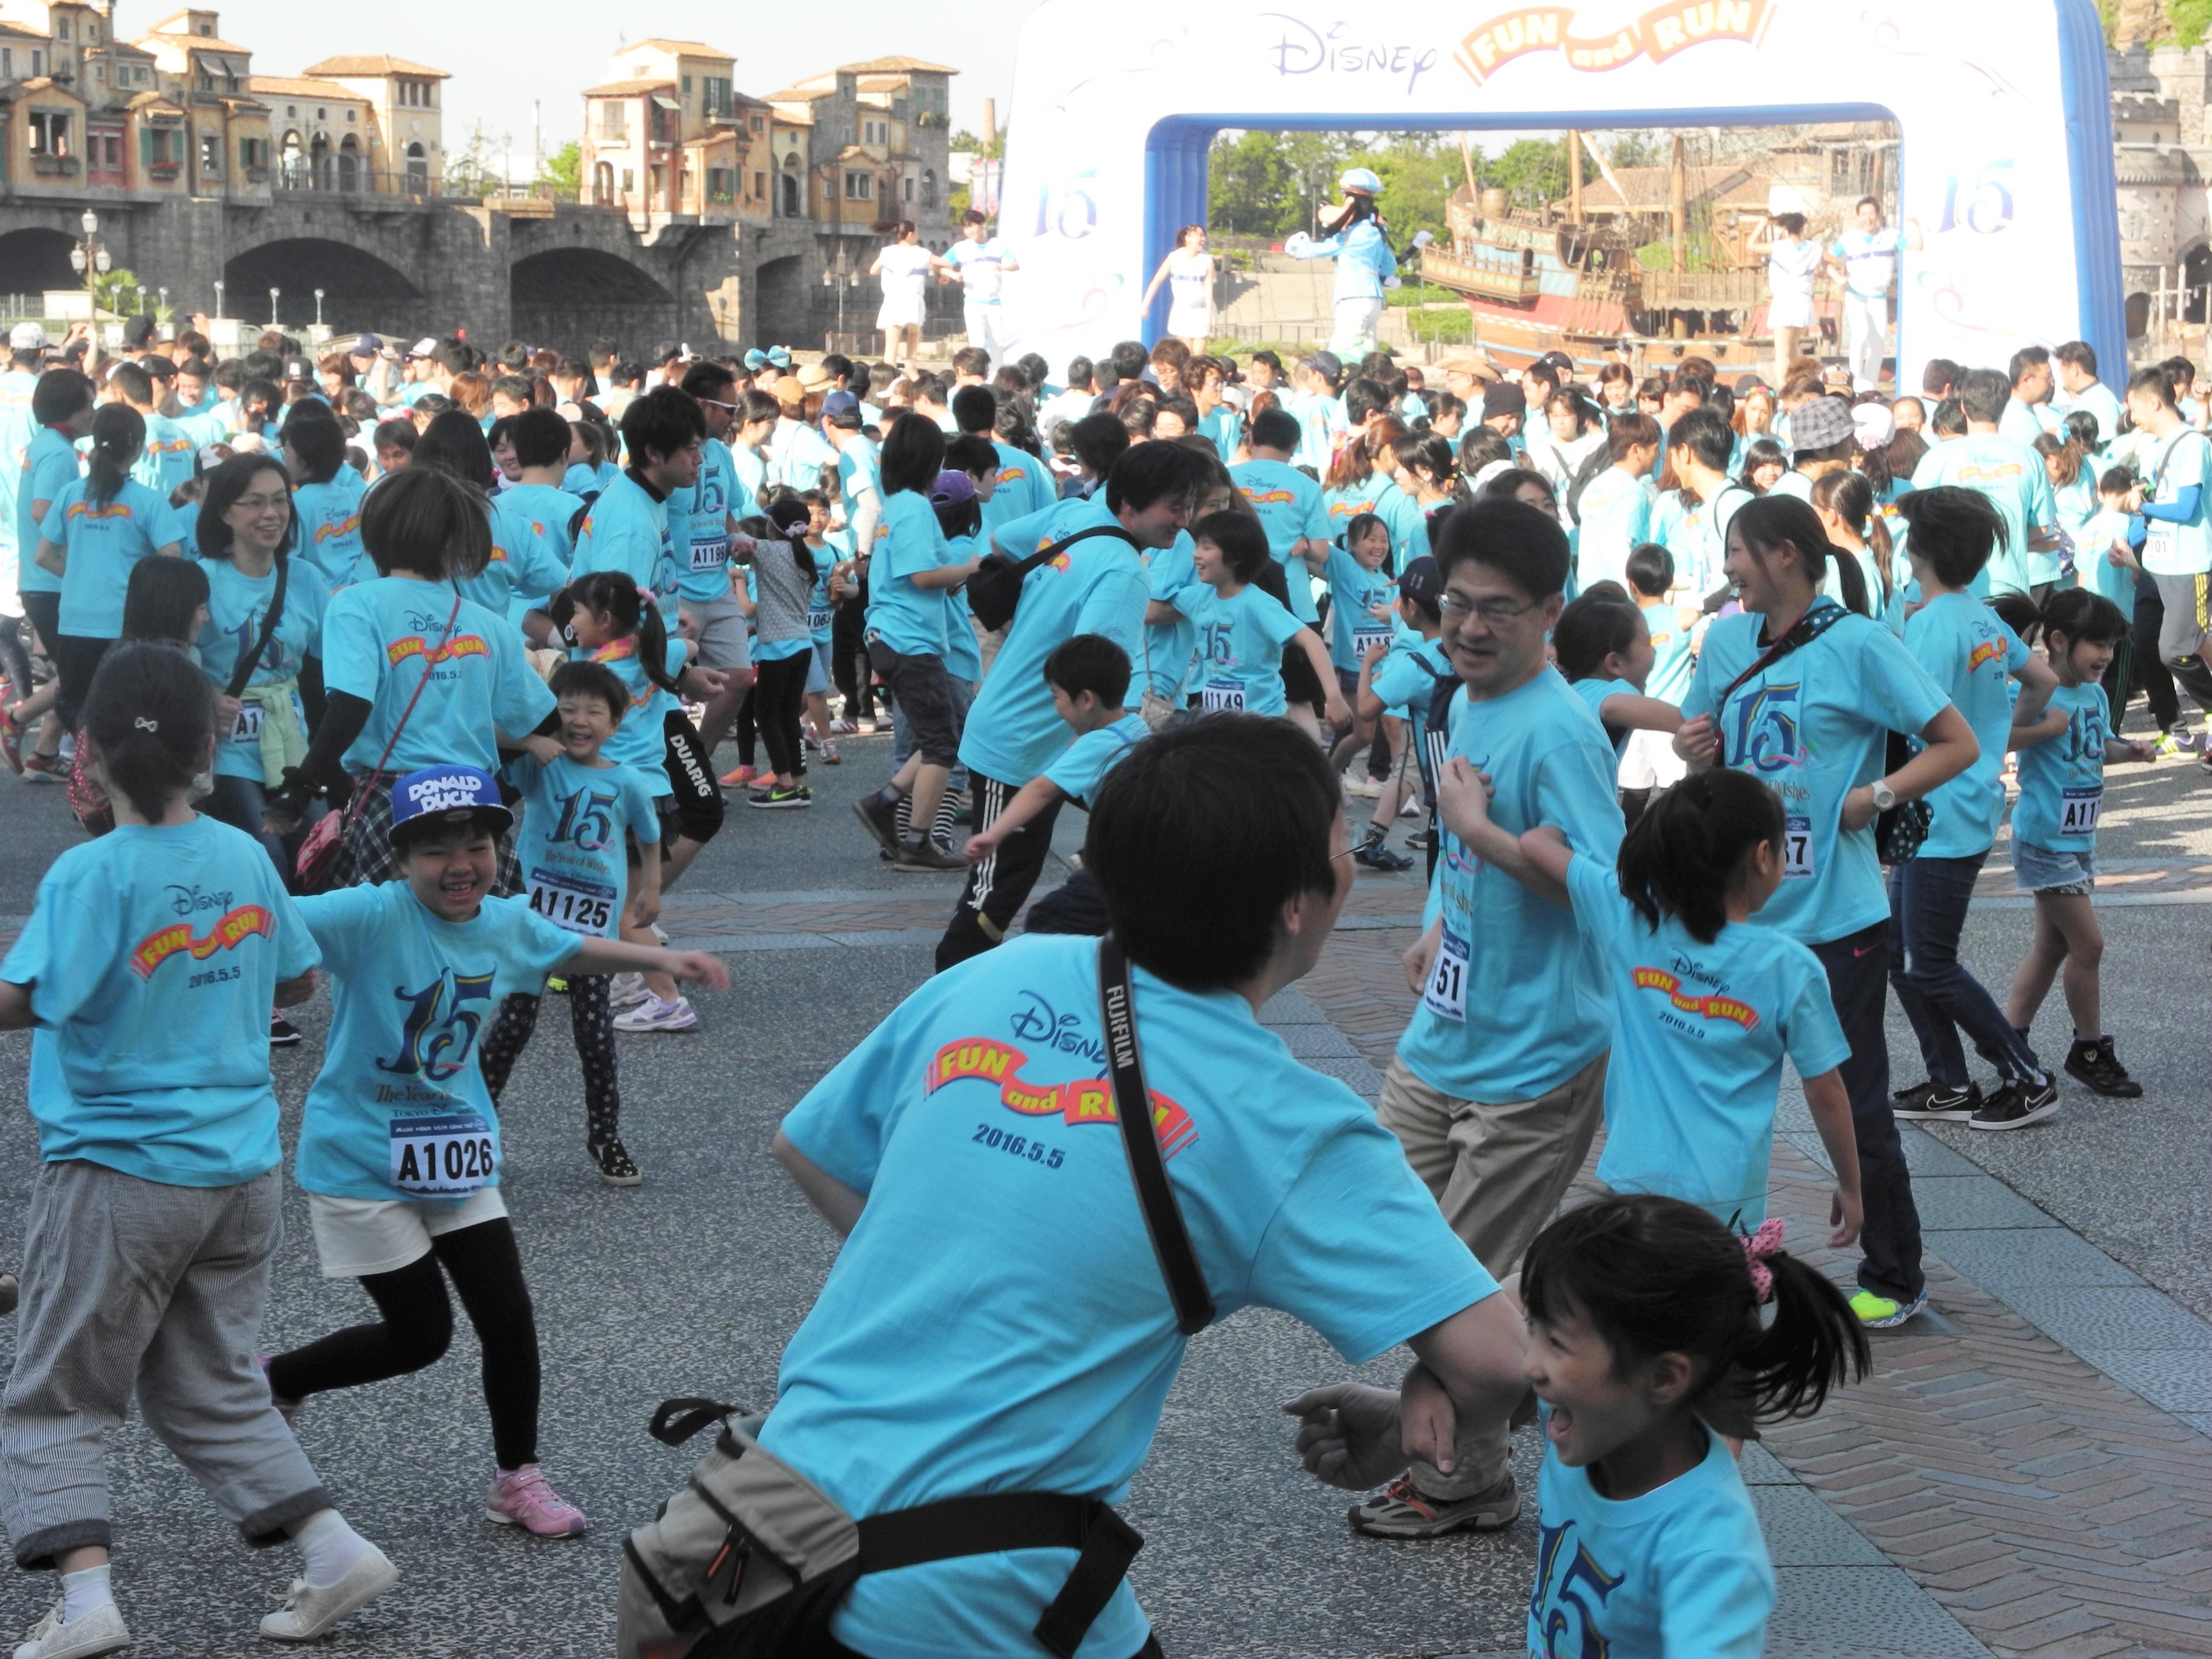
(238, 802)
(1928, 901)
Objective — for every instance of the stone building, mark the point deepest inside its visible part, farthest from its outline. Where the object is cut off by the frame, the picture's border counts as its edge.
(2163, 150)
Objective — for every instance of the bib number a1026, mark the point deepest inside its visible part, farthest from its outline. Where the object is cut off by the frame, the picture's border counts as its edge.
(2078, 810)
(1797, 848)
(1445, 994)
(447, 1155)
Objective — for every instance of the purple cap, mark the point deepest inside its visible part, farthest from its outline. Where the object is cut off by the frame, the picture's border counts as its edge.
(952, 489)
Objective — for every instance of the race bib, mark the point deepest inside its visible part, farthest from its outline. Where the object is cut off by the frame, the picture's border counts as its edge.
(1797, 849)
(1445, 995)
(580, 906)
(248, 728)
(1221, 696)
(817, 621)
(447, 1155)
(2158, 544)
(1364, 639)
(2078, 810)
(710, 556)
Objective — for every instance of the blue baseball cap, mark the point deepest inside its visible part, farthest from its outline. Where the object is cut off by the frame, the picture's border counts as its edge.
(435, 791)
(842, 408)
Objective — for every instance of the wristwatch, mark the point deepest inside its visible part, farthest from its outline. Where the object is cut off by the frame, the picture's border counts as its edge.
(1884, 797)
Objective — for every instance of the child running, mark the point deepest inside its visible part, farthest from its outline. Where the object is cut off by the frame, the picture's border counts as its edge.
(1650, 1348)
(399, 1151)
(1707, 1007)
(2054, 830)
(158, 1208)
(1403, 676)
(1602, 644)
(580, 813)
(1361, 601)
(1243, 629)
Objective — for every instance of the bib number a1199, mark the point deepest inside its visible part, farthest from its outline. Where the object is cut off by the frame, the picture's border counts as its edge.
(1797, 848)
(447, 1155)
(2078, 810)
(1445, 994)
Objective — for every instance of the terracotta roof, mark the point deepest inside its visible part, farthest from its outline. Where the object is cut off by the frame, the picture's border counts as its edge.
(627, 89)
(47, 84)
(801, 95)
(20, 31)
(381, 63)
(199, 42)
(152, 102)
(688, 47)
(898, 66)
(112, 48)
(793, 118)
(291, 86)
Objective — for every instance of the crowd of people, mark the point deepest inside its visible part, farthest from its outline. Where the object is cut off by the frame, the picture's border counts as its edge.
(408, 670)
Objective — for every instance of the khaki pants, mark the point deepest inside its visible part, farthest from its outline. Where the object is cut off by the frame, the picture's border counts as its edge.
(1498, 1172)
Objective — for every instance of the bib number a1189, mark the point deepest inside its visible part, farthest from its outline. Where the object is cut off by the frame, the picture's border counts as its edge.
(1221, 696)
(1445, 995)
(1797, 848)
(581, 907)
(2078, 810)
(446, 1155)
(1365, 638)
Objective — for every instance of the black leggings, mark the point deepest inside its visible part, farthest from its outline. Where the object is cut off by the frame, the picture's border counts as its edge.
(848, 656)
(2151, 670)
(592, 1023)
(77, 659)
(15, 660)
(417, 1327)
(778, 694)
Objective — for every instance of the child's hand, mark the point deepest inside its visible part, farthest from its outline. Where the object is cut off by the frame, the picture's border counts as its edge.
(645, 909)
(542, 749)
(1377, 652)
(981, 845)
(1846, 1215)
(1339, 711)
(2128, 748)
(1697, 743)
(1348, 1435)
(699, 967)
(1428, 1427)
(1463, 797)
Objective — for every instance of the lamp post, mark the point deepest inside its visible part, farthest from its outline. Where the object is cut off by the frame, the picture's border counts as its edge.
(218, 298)
(164, 306)
(319, 308)
(274, 294)
(90, 259)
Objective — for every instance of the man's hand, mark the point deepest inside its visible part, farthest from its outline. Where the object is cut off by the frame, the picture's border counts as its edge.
(1348, 1435)
(1463, 797)
(702, 683)
(1697, 743)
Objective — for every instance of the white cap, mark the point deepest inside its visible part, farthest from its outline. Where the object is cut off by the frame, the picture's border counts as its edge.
(1872, 425)
(425, 347)
(27, 337)
(213, 456)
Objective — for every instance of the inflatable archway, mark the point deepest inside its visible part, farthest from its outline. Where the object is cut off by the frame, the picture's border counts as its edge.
(2003, 107)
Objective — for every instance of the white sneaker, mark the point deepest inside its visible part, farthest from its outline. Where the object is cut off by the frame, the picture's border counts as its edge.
(1365, 787)
(308, 1612)
(654, 1015)
(626, 991)
(100, 1630)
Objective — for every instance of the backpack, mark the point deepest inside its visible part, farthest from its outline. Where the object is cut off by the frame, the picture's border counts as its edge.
(1592, 464)
(1436, 726)
(995, 590)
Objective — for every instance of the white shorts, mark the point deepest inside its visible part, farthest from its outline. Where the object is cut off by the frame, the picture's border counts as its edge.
(357, 1237)
(898, 314)
(1789, 310)
(1194, 323)
(1650, 762)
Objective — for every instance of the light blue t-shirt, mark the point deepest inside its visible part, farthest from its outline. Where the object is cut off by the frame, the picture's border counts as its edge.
(1595, 693)
(1321, 426)
(50, 466)
(1699, 1031)
(134, 939)
(2169, 465)
(2077, 507)
(748, 480)
(1344, 506)
(1097, 586)
(801, 452)
(1241, 638)
(2017, 485)
(1681, 1572)
(1515, 1006)
(547, 509)
(410, 993)
(1971, 656)
(1407, 679)
(236, 605)
(1171, 649)
(1409, 525)
(1813, 727)
(640, 741)
(2097, 397)
(523, 570)
(1673, 656)
(1615, 518)
(910, 619)
(2024, 423)
(703, 574)
(571, 844)
(1077, 769)
(858, 474)
(1362, 259)
(964, 656)
(1291, 509)
(627, 530)
(102, 541)
(380, 637)
(904, 1385)
(1354, 593)
(2062, 779)
(1023, 486)
(328, 516)
(1223, 428)
(167, 461)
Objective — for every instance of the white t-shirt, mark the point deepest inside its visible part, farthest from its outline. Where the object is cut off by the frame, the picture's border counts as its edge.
(905, 266)
(1869, 259)
(982, 267)
(1790, 269)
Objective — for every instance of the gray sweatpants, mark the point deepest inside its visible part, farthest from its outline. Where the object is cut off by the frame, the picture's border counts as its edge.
(132, 1286)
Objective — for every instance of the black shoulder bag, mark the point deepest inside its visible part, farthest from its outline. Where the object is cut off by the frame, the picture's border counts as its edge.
(995, 590)
(243, 673)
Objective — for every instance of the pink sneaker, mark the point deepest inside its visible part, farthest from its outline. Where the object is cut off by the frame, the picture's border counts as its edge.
(521, 1498)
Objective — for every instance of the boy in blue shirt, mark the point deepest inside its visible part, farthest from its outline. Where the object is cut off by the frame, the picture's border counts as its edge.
(1288, 505)
(1242, 629)
(1400, 678)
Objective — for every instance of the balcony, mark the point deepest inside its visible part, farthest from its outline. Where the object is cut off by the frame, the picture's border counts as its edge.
(54, 166)
(164, 171)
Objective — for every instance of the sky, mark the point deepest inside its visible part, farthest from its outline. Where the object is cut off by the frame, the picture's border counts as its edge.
(503, 57)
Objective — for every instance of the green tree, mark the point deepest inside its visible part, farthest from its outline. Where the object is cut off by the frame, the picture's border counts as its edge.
(2191, 20)
(1633, 149)
(562, 173)
(1248, 184)
(118, 291)
(1418, 170)
(1531, 171)
(964, 141)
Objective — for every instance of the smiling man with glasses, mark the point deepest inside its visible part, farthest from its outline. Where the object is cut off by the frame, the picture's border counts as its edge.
(1499, 1081)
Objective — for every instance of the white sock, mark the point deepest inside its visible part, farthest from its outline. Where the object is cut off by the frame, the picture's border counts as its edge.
(328, 1547)
(85, 1592)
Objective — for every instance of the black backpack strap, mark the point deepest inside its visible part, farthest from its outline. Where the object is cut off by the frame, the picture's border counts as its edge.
(677, 1420)
(1823, 615)
(1053, 549)
(1133, 1106)
(243, 671)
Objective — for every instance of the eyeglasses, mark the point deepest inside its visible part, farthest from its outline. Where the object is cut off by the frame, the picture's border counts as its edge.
(718, 403)
(260, 503)
(1495, 613)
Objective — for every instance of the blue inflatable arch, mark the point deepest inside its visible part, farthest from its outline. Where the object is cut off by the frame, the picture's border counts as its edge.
(2003, 107)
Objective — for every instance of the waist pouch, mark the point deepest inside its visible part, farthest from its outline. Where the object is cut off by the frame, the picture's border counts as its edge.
(751, 1559)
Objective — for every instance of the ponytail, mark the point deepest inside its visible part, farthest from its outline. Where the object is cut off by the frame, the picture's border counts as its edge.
(789, 516)
(1849, 496)
(1683, 854)
(1773, 521)
(617, 598)
(118, 443)
(150, 714)
(1654, 1275)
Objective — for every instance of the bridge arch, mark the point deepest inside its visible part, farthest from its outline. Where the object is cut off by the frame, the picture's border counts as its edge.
(33, 260)
(360, 290)
(565, 296)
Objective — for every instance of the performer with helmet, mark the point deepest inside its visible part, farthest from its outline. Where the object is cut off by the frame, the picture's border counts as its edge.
(1366, 266)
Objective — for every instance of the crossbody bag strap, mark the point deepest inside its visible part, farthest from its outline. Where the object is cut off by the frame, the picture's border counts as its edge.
(243, 673)
(360, 796)
(1133, 1108)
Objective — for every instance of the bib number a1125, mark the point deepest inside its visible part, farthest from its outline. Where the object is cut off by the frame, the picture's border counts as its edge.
(581, 907)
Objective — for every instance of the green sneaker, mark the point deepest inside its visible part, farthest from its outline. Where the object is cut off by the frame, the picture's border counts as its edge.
(1880, 1313)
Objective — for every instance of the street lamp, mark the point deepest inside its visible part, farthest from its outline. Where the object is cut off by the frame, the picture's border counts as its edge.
(89, 259)
(319, 308)
(218, 298)
(273, 293)
(164, 306)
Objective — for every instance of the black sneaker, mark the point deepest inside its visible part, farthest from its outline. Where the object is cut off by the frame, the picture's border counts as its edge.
(928, 856)
(780, 799)
(1421, 840)
(614, 1165)
(881, 817)
(282, 1034)
(2092, 1062)
(1930, 1103)
(1376, 854)
(2015, 1105)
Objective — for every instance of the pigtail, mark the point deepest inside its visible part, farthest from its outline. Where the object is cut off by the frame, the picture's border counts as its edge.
(119, 439)
(1813, 1343)
(652, 648)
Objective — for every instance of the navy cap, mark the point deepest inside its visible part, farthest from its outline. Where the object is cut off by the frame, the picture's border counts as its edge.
(435, 790)
(842, 404)
(1422, 581)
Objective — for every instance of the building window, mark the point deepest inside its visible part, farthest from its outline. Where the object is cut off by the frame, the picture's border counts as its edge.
(760, 186)
(603, 184)
(614, 119)
(49, 131)
(720, 187)
(7, 63)
(929, 188)
(758, 123)
(210, 155)
(60, 28)
(352, 116)
(291, 109)
(908, 182)
(792, 207)
(630, 180)
(38, 62)
(687, 86)
(653, 178)
(715, 95)
(859, 187)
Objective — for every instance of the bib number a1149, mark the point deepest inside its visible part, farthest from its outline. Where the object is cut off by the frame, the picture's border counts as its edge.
(1221, 696)
(446, 1155)
(2078, 810)
(1445, 994)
